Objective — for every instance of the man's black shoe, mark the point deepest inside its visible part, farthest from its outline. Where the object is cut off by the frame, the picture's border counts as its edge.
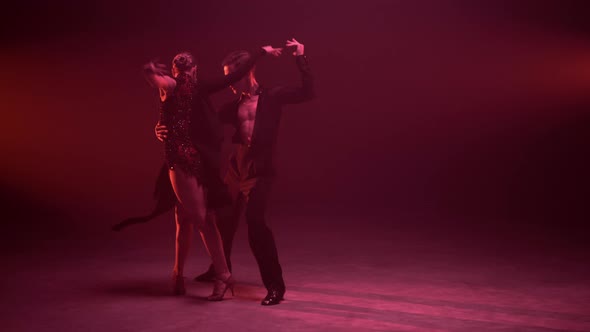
(274, 296)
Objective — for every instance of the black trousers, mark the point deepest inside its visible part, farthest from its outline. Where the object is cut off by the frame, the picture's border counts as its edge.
(251, 192)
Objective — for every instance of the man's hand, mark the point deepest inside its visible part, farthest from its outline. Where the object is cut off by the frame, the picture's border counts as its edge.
(299, 48)
(161, 132)
(272, 51)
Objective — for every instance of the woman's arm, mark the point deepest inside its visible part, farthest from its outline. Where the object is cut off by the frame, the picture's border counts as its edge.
(156, 75)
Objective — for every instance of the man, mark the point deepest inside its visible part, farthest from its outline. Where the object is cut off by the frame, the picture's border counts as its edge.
(256, 115)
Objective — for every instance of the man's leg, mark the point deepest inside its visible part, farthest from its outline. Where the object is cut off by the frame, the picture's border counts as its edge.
(228, 218)
(262, 241)
(228, 222)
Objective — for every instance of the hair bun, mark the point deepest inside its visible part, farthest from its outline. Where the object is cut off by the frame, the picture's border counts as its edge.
(183, 61)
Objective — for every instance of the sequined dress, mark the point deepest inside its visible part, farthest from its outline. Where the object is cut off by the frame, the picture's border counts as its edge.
(175, 113)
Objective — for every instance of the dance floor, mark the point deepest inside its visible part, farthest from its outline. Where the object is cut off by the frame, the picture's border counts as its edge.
(403, 273)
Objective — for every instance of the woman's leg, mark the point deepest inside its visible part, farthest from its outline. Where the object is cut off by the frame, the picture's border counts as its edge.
(212, 239)
(184, 235)
(192, 208)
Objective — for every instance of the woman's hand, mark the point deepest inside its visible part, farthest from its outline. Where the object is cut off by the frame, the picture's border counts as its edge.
(272, 51)
(155, 68)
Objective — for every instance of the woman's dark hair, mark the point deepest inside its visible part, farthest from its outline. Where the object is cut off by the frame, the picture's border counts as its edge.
(184, 61)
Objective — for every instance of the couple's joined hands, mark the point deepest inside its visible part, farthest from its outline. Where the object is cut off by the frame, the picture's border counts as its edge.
(299, 48)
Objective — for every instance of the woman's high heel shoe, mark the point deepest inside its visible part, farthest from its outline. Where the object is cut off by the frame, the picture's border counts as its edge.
(220, 287)
(178, 285)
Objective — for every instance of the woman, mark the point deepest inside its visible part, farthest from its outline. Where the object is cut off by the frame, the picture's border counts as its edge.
(192, 153)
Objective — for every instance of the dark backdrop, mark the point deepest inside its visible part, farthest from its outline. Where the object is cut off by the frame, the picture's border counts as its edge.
(455, 109)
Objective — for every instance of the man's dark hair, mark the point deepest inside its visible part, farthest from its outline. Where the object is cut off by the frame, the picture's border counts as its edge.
(236, 58)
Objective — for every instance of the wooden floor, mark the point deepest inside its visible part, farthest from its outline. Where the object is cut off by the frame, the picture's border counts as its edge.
(341, 275)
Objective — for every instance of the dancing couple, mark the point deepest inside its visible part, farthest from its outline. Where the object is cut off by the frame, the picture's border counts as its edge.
(190, 181)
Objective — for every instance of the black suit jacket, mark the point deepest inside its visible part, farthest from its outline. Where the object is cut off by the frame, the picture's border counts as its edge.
(268, 116)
